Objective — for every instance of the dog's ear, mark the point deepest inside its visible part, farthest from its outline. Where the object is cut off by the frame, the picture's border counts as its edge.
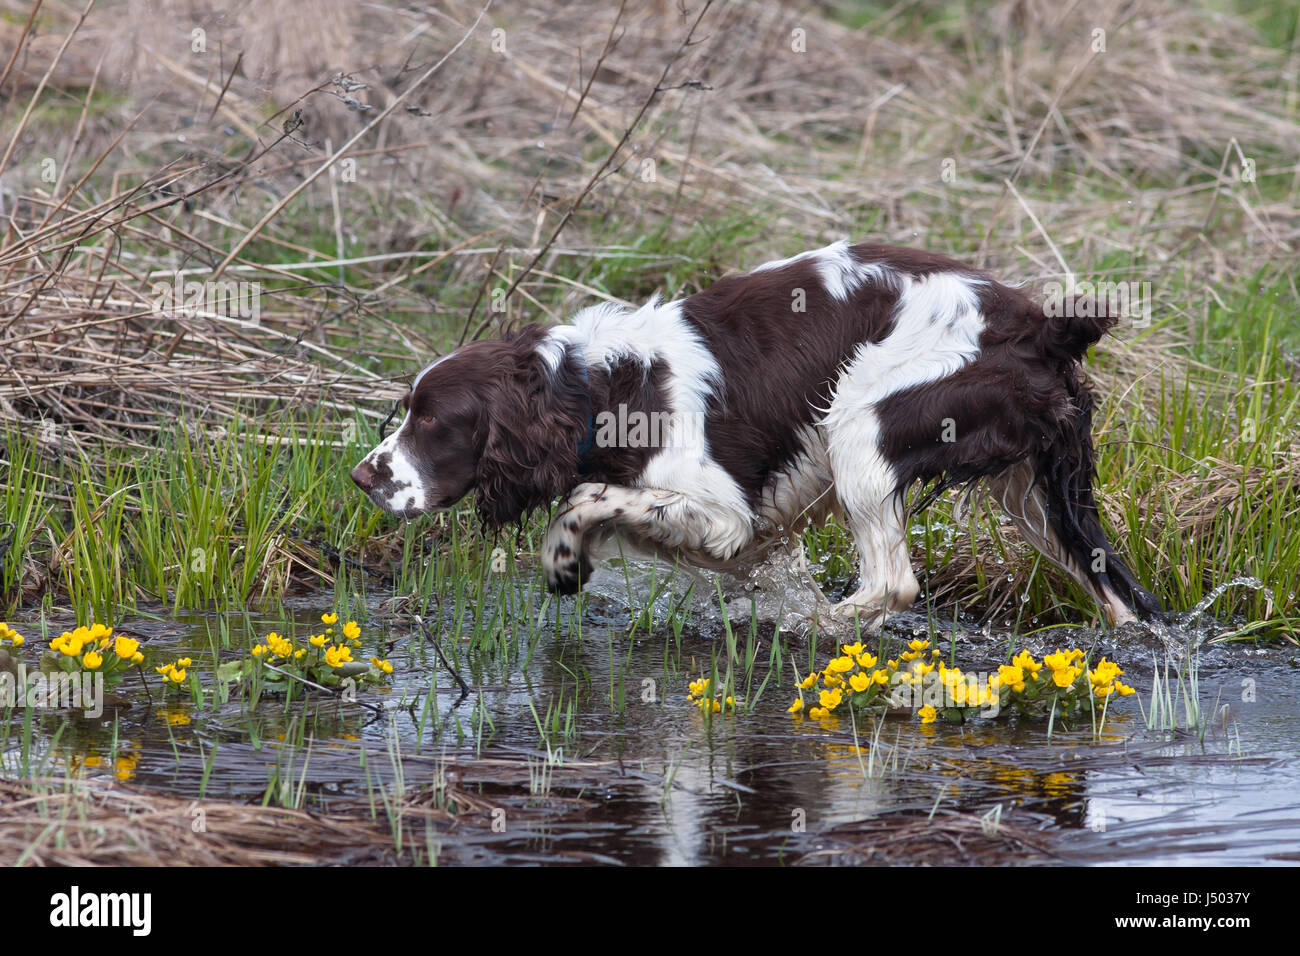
(535, 417)
(1068, 332)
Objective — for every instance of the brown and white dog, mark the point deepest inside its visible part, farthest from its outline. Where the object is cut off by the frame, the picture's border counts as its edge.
(712, 428)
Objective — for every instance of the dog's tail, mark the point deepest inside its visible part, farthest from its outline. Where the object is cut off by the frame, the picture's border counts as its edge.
(1065, 469)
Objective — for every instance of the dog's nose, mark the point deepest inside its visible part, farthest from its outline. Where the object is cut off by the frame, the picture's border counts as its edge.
(364, 475)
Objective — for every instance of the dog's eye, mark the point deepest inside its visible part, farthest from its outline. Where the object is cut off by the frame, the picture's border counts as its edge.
(424, 419)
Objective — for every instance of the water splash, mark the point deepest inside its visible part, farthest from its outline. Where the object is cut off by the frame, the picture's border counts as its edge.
(1185, 633)
(1203, 604)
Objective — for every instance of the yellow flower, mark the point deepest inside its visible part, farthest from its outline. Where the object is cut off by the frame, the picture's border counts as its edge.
(957, 693)
(137, 658)
(16, 639)
(338, 656)
(352, 630)
(1105, 672)
(1057, 661)
(1025, 661)
(796, 706)
(1124, 689)
(317, 640)
(184, 662)
(853, 650)
(810, 681)
(329, 618)
(928, 714)
(860, 681)
(830, 699)
(176, 676)
(918, 645)
(258, 651)
(1012, 676)
(1065, 676)
(840, 665)
(279, 646)
(125, 647)
(165, 669)
(69, 644)
(866, 661)
(880, 676)
(92, 660)
(833, 681)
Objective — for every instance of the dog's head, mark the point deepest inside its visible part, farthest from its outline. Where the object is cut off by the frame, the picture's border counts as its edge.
(492, 417)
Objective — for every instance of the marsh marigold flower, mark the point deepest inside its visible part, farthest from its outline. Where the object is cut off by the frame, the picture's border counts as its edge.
(338, 656)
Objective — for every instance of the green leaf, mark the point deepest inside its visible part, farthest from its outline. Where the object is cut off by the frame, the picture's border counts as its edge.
(233, 670)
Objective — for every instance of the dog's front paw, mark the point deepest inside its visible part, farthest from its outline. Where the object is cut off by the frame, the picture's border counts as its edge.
(566, 570)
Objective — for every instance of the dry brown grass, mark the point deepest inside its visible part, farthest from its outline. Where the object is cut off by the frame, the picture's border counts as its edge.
(854, 130)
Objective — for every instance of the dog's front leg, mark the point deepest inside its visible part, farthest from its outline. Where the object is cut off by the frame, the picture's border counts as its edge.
(668, 522)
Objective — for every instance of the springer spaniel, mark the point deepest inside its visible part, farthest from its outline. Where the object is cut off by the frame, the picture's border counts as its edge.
(712, 428)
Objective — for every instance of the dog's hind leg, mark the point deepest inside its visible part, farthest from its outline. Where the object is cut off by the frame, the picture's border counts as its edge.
(654, 519)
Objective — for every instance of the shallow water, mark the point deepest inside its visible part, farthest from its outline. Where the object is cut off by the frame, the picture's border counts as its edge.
(653, 780)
